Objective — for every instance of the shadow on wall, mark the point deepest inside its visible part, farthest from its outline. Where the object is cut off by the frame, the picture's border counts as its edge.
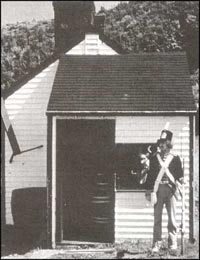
(29, 215)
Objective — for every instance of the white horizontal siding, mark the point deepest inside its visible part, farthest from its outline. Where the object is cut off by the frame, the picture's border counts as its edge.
(147, 210)
(149, 217)
(140, 224)
(140, 229)
(27, 112)
(134, 216)
(91, 45)
(132, 236)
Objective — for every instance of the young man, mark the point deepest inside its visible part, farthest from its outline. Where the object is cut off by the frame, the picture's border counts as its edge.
(165, 169)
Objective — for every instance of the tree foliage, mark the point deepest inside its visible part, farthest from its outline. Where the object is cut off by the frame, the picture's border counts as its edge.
(24, 47)
(156, 26)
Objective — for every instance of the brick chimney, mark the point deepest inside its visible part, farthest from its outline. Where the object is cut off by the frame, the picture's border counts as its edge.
(98, 24)
(72, 19)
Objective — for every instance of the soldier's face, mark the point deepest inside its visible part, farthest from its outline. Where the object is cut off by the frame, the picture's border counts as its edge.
(163, 147)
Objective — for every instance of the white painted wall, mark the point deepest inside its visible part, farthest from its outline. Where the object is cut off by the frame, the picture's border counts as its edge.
(27, 112)
(134, 217)
(91, 45)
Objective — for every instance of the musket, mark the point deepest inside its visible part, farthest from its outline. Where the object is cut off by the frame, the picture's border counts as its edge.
(181, 189)
(182, 227)
(183, 216)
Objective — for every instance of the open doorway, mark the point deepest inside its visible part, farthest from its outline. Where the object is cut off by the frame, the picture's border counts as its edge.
(85, 183)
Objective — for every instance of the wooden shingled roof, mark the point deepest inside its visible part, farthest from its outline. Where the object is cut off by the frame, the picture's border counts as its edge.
(150, 82)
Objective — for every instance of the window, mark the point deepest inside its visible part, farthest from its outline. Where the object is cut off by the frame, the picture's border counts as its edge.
(128, 166)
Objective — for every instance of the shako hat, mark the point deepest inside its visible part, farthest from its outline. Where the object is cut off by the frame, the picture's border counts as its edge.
(165, 135)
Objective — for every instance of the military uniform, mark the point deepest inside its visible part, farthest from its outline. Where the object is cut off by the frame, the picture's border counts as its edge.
(165, 194)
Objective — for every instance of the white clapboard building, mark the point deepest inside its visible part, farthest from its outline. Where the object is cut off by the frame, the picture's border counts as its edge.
(93, 110)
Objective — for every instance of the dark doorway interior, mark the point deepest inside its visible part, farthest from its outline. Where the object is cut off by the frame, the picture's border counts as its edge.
(85, 189)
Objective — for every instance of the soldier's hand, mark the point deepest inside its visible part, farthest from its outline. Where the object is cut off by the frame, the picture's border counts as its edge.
(148, 195)
(153, 198)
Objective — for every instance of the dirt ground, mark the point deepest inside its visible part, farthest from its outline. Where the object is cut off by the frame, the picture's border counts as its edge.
(137, 249)
(126, 250)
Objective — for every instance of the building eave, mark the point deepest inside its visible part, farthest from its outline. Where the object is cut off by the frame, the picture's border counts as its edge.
(120, 113)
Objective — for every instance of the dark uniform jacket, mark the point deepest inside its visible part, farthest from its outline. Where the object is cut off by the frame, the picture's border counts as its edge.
(175, 168)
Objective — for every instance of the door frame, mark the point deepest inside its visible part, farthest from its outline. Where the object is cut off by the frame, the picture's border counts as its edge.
(52, 205)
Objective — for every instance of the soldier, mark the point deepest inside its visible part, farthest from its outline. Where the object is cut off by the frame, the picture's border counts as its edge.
(164, 170)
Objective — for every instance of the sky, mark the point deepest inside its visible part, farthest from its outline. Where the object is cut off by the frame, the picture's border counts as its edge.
(19, 11)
